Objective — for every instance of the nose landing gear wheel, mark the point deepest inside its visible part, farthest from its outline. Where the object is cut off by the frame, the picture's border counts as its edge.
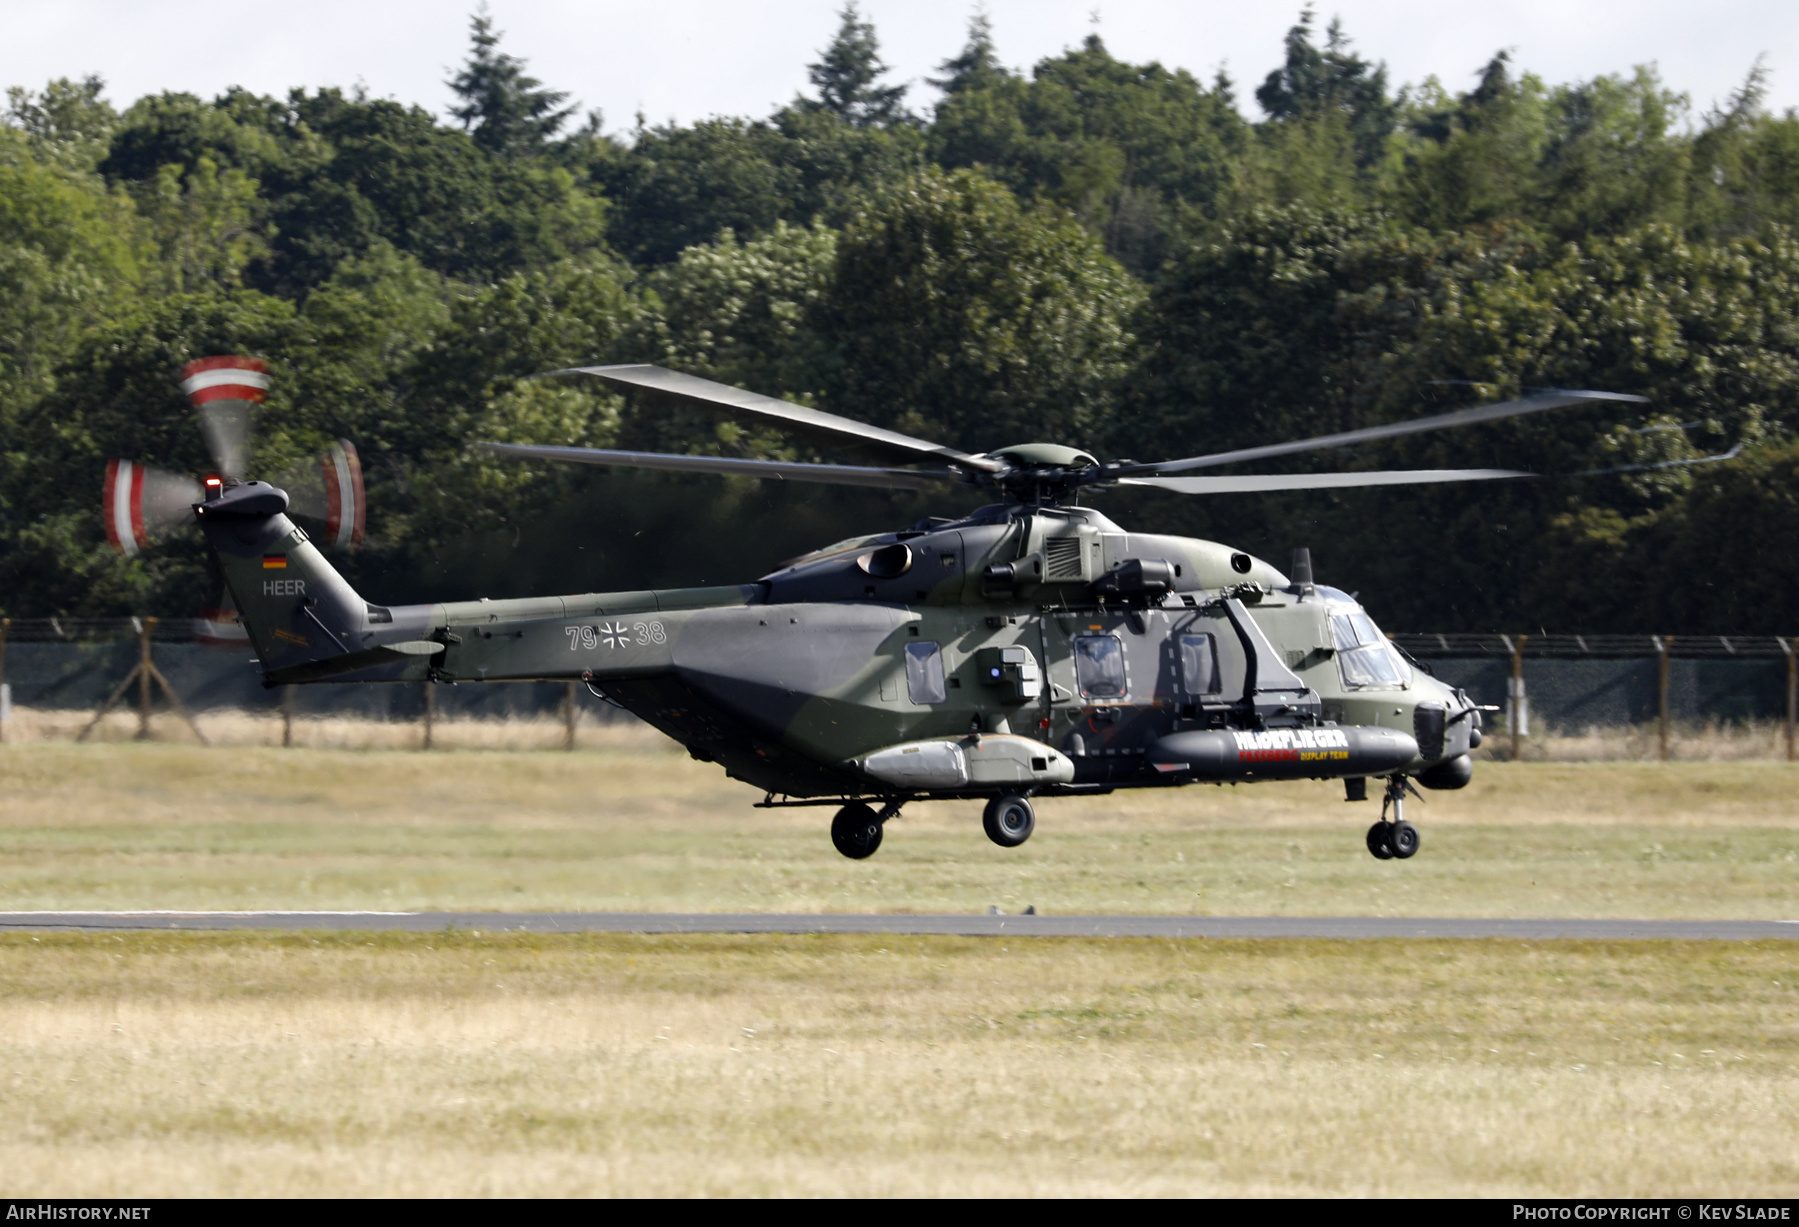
(1009, 821)
(856, 831)
(1378, 843)
(1398, 839)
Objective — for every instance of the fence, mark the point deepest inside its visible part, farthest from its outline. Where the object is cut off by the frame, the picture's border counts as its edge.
(71, 664)
(1561, 681)
(1612, 681)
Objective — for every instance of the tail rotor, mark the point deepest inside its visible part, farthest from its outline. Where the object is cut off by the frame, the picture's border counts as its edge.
(329, 490)
(225, 392)
(141, 504)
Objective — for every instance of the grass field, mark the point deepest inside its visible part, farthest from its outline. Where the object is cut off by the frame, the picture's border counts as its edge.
(633, 826)
(236, 1064)
(159, 1064)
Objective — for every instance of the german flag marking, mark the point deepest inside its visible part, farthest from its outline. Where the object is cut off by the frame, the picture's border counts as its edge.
(274, 562)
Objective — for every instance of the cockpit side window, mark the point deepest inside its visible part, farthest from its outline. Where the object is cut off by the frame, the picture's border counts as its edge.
(1365, 658)
(1199, 665)
(924, 673)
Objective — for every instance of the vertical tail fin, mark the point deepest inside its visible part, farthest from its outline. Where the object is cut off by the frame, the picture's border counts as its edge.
(295, 606)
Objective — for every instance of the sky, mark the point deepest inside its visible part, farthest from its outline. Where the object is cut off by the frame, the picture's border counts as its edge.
(683, 60)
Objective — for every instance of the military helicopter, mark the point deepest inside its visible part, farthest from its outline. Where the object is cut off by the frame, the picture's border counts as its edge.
(1030, 649)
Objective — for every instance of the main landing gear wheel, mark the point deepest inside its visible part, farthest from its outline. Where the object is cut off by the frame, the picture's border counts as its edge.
(1378, 843)
(1009, 821)
(1404, 839)
(856, 831)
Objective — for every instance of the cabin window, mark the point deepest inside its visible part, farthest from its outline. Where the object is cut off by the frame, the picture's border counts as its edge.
(1364, 656)
(1099, 665)
(1199, 665)
(924, 672)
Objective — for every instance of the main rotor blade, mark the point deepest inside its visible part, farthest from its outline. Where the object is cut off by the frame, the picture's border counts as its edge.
(1441, 421)
(1732, 454)
(1260, 483)
(783, 414)
(776, 470)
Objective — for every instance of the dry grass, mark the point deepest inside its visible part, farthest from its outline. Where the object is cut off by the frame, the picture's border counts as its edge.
(229, 728)
(632, 824)
(1708, 742)
(155, 1065)
(451, 1064)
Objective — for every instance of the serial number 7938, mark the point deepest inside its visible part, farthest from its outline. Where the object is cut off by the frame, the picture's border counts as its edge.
(615, 635)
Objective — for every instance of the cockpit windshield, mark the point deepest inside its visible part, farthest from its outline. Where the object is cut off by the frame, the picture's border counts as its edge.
(1364, 656)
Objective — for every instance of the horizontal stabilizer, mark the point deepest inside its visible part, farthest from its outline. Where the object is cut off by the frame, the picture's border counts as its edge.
(352, 662)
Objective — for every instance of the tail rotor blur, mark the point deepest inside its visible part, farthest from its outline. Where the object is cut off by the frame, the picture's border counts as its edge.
(225, 392)
(141, 504)
(329, 490)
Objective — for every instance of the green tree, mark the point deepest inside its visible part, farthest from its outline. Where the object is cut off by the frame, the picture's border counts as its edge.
(331, 174)
(847, 77)
(1477, 157)
(1614, 161)
(175, 129)
(67, 122)
(71, 259)
(508, 112)
(680, 187)
(432, 192)
(977, 66)
(962, 315)
(1744, 172)
(1131, 149)
(1300, 323)
(739, 311)
(475, 382)
(1331, 80)
(203, 225)
(1709, 559)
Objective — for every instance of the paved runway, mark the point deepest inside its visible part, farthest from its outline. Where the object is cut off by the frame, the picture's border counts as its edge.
(969, 926)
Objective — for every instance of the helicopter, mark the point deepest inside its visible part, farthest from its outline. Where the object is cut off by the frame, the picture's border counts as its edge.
(1030, 649)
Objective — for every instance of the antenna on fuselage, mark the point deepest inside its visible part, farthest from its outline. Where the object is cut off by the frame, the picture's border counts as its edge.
(1302, 573)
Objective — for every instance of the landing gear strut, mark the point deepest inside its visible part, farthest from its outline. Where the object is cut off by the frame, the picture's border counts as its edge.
(856, 830)
(1397, 838)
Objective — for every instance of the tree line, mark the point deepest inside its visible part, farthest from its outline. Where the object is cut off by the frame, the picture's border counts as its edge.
(1094, 252)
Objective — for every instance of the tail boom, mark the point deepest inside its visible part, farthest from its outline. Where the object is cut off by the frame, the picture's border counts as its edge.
(307, 624)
